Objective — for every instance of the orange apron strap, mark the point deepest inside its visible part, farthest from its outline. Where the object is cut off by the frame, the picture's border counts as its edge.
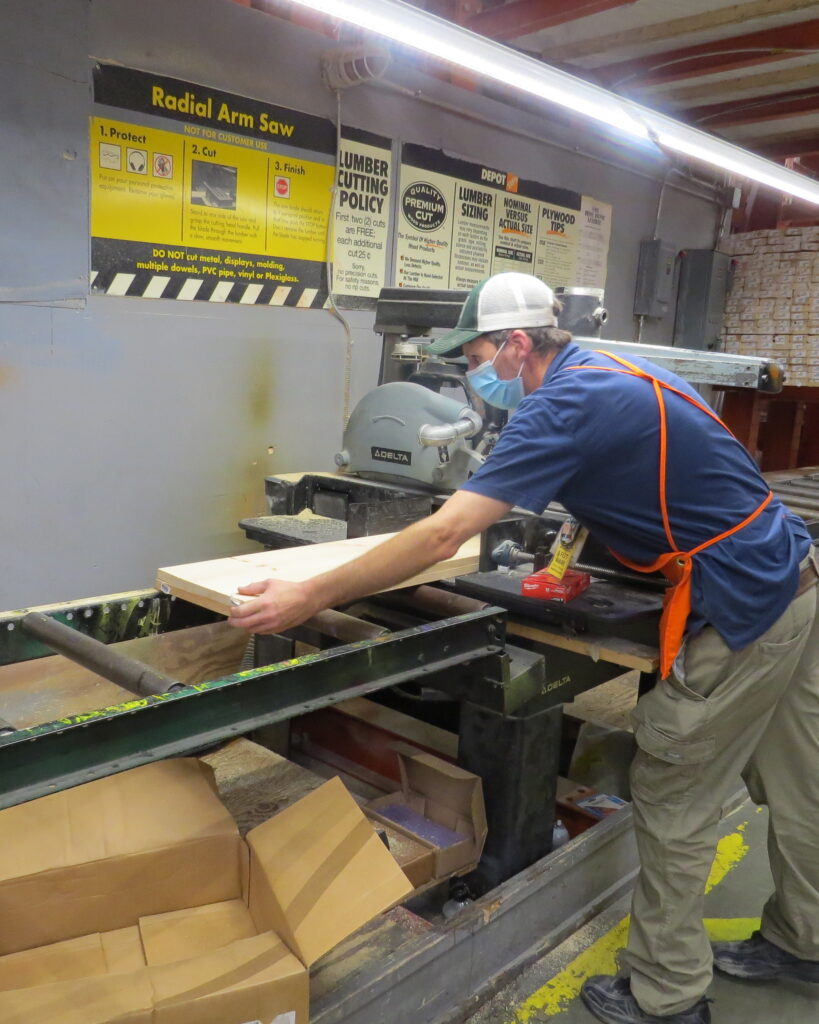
(735, 529)
(675, 565)
(676, 609)
(663, 464)
(635, 371)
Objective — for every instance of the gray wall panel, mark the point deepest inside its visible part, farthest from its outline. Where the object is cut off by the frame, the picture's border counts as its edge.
(140, 430)
(44, 156)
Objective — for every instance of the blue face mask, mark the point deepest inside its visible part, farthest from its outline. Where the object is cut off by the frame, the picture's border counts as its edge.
(502, 394)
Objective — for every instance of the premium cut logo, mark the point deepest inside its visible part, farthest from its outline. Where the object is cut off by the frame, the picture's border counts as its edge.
(424, 206)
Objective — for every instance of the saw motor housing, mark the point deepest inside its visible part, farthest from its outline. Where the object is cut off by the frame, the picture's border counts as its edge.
(403, 431)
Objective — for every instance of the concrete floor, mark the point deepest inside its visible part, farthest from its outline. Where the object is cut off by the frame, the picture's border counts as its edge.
(739, 885)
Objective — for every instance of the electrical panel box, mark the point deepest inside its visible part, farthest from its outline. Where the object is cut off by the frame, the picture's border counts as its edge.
(655, 278)
(705, 277)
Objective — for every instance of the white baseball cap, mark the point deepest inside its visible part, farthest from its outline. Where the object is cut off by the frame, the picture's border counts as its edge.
(501, 302)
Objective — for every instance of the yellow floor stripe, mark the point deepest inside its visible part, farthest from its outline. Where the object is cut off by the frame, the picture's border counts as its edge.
(564, 988)
(601, 957)
(730, 929)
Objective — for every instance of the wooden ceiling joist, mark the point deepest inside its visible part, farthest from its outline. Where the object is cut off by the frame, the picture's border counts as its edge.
(675, 28)
(710, 58)
(807, 74)
(783, 148)
(754, 111)
(521, 17)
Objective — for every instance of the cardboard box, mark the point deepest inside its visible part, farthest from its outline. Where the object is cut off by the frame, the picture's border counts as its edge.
(134, 899)
(415, 858)
(580, 807)
(446, 796)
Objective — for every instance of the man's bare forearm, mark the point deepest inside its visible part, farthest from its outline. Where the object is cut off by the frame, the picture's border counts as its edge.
(400, 558)
(276, 606)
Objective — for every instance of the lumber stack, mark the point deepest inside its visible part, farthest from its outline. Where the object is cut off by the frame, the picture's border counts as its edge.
(773, 307)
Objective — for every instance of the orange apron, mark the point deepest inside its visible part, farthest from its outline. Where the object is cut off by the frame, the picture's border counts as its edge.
(675, 565)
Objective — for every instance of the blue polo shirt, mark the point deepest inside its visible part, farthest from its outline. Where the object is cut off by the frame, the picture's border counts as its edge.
(590, 440)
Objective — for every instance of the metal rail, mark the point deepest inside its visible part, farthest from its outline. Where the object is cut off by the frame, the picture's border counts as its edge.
(79, 748)
(700, 367)
(127, 672)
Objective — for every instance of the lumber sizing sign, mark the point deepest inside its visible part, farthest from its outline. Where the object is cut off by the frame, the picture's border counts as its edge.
(459, 222)
(200, 194)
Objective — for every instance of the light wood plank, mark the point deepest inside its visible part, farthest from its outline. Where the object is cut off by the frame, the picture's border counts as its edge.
(214, 584)
(613, 649)
(674, 28)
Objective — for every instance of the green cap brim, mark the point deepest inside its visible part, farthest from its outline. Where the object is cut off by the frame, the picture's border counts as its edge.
(452, 341)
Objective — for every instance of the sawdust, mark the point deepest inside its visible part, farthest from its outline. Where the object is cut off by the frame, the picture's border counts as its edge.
(373, 944)
(609, 703)
(309, 526)
(255, 783)
(403, 848)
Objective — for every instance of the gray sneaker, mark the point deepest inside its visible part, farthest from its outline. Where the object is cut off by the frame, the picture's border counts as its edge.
(756, 959)
(611, 1001)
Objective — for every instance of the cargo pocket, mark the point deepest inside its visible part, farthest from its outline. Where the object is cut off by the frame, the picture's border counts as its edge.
(666, 768)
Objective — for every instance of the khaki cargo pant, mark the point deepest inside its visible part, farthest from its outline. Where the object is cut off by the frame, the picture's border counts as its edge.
(720, 714)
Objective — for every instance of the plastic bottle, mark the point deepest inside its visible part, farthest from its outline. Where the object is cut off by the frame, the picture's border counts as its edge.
(458, 899)
(560, 835)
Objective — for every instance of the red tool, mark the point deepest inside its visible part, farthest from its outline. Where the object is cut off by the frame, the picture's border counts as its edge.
(546, 587)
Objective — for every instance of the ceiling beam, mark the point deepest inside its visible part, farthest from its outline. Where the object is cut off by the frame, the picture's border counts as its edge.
(683, 97)
(674, 28)
(711, 58)
(520, 17)
(753, 111)
(796, 146)
(283, 9)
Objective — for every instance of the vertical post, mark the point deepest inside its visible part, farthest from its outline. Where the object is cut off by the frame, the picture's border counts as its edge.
(809, 449)
(784, 426)
(517, 758)
(742, 413)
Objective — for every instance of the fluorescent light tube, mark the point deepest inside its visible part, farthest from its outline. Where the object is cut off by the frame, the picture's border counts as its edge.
(738, 161)
(435, 37)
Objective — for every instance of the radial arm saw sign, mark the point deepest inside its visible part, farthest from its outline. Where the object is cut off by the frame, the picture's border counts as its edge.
(200, 194)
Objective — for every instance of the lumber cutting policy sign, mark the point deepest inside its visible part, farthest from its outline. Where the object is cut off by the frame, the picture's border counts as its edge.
(459, 222)
(362, 215)
(200, 194)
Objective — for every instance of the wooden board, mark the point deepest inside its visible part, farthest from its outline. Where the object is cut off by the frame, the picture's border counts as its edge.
(609, 703)
(614, 649)
(46, 689)
(214, 584)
